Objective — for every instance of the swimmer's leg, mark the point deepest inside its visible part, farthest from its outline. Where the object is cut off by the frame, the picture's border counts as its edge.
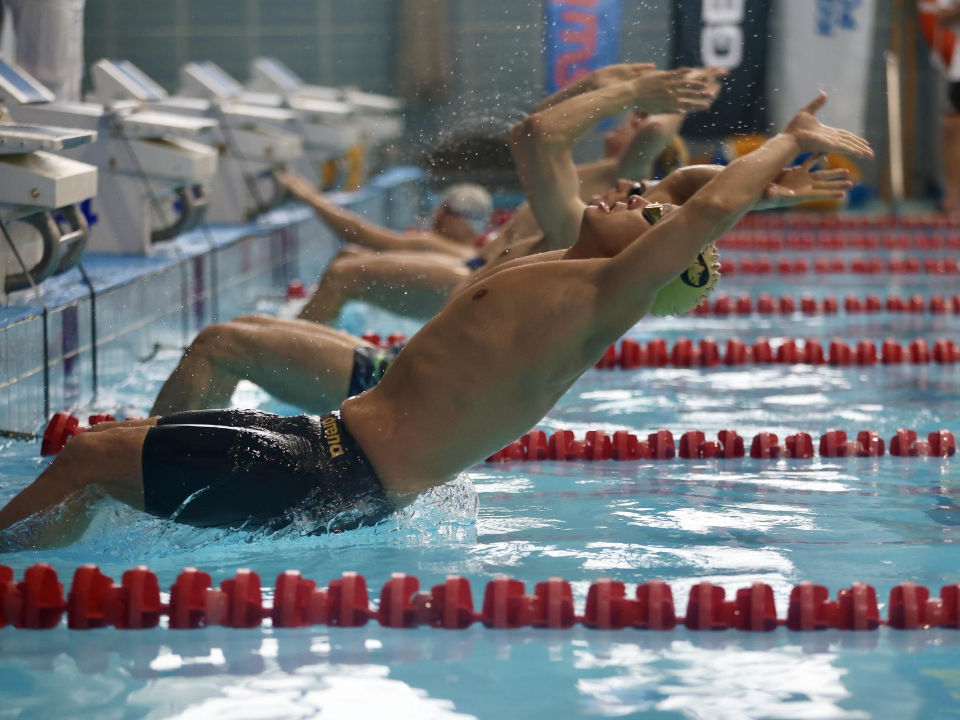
(403, 283)
(297, 326)
(306, 369)
(110, 460)
(143, 422)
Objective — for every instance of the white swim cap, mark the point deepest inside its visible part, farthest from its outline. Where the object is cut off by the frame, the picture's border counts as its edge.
(469, 201)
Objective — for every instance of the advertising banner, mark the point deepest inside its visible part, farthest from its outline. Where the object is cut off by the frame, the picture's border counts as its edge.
(823, 45)
(730, 34)
(580, 36)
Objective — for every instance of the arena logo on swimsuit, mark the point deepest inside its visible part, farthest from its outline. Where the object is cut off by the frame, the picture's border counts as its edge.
(721, 43)
(331, 433)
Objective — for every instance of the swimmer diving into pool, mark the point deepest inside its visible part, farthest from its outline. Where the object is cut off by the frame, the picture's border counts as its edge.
(462, 215)
(476, 377)
(417, 285)
(315, 367)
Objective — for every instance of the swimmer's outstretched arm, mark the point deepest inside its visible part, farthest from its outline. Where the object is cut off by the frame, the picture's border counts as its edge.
(636, 162)
(356, 229)
(598, 79)
(658, 131)
(792, 186)
(542, 143)
(634, 276)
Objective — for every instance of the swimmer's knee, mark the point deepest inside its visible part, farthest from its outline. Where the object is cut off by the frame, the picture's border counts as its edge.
(216, 340)
(342, 276)
(339, 267)
(252, 319)
(350, 251)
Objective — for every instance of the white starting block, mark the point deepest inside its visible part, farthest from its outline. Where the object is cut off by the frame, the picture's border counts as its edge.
(254, 142)
(40, 195)
(328, 128)
(380, 115)
(152, 172)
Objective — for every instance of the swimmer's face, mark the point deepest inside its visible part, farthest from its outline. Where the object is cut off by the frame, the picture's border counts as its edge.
(454, 227)
(621, 193)
(612, 228)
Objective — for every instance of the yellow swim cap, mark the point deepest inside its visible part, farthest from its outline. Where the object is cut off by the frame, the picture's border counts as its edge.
(688, 290)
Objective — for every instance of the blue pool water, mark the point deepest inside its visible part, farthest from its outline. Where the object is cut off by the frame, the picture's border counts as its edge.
(881, 521)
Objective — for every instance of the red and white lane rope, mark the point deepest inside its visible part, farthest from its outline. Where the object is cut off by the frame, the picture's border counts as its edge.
(927, 222)
(806, 241)
(787, 304)
(624, 446)
(684, 353)
(37, 602)
(764, 265)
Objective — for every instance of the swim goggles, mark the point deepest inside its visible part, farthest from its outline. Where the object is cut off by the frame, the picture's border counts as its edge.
(652, 213)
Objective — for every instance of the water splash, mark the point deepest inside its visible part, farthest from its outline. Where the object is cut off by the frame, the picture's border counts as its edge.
(443, 515)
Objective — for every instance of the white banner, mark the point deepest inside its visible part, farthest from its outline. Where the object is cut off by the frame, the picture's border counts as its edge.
(822, 45)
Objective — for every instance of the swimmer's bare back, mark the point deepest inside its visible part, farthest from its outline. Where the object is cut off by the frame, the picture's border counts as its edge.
(499, 356)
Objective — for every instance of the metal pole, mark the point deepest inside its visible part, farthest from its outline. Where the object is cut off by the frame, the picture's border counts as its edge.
(895, 130)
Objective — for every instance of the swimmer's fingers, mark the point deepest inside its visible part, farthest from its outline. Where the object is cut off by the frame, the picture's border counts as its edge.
(844, 142)
(688, 88)
(694, 96)
(694, 105)
(824, 175)
(862, 145)
(811, 161)
(832, 185)
(622, 72)
(830, 178)
(847, 142)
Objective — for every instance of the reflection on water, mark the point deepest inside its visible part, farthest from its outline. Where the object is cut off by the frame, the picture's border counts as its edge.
(378, 673)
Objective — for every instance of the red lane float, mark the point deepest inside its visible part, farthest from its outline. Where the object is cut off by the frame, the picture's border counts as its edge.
(63, 427)
(296, 290)
(765, 304)
(631, 355)
(381, 342)
(763, 265)
(94, 601)
(624, 446)
(739, 241)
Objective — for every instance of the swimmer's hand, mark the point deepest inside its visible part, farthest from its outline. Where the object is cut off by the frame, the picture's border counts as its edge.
(802, 184)
(296, 185)
(712, 76)
(672, 91)
(620, 72)
(812, 136)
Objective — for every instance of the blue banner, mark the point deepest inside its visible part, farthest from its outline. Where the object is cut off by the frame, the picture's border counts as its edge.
(580, 36)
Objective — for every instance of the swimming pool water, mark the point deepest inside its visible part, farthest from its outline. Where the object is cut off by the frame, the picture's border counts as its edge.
(881, 521)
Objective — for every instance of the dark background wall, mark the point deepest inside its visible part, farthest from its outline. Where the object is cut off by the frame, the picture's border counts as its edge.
(496, 47)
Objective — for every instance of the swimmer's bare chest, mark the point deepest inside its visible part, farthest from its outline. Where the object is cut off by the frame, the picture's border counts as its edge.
(530, 315)
(523, 253)
(486, 369)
